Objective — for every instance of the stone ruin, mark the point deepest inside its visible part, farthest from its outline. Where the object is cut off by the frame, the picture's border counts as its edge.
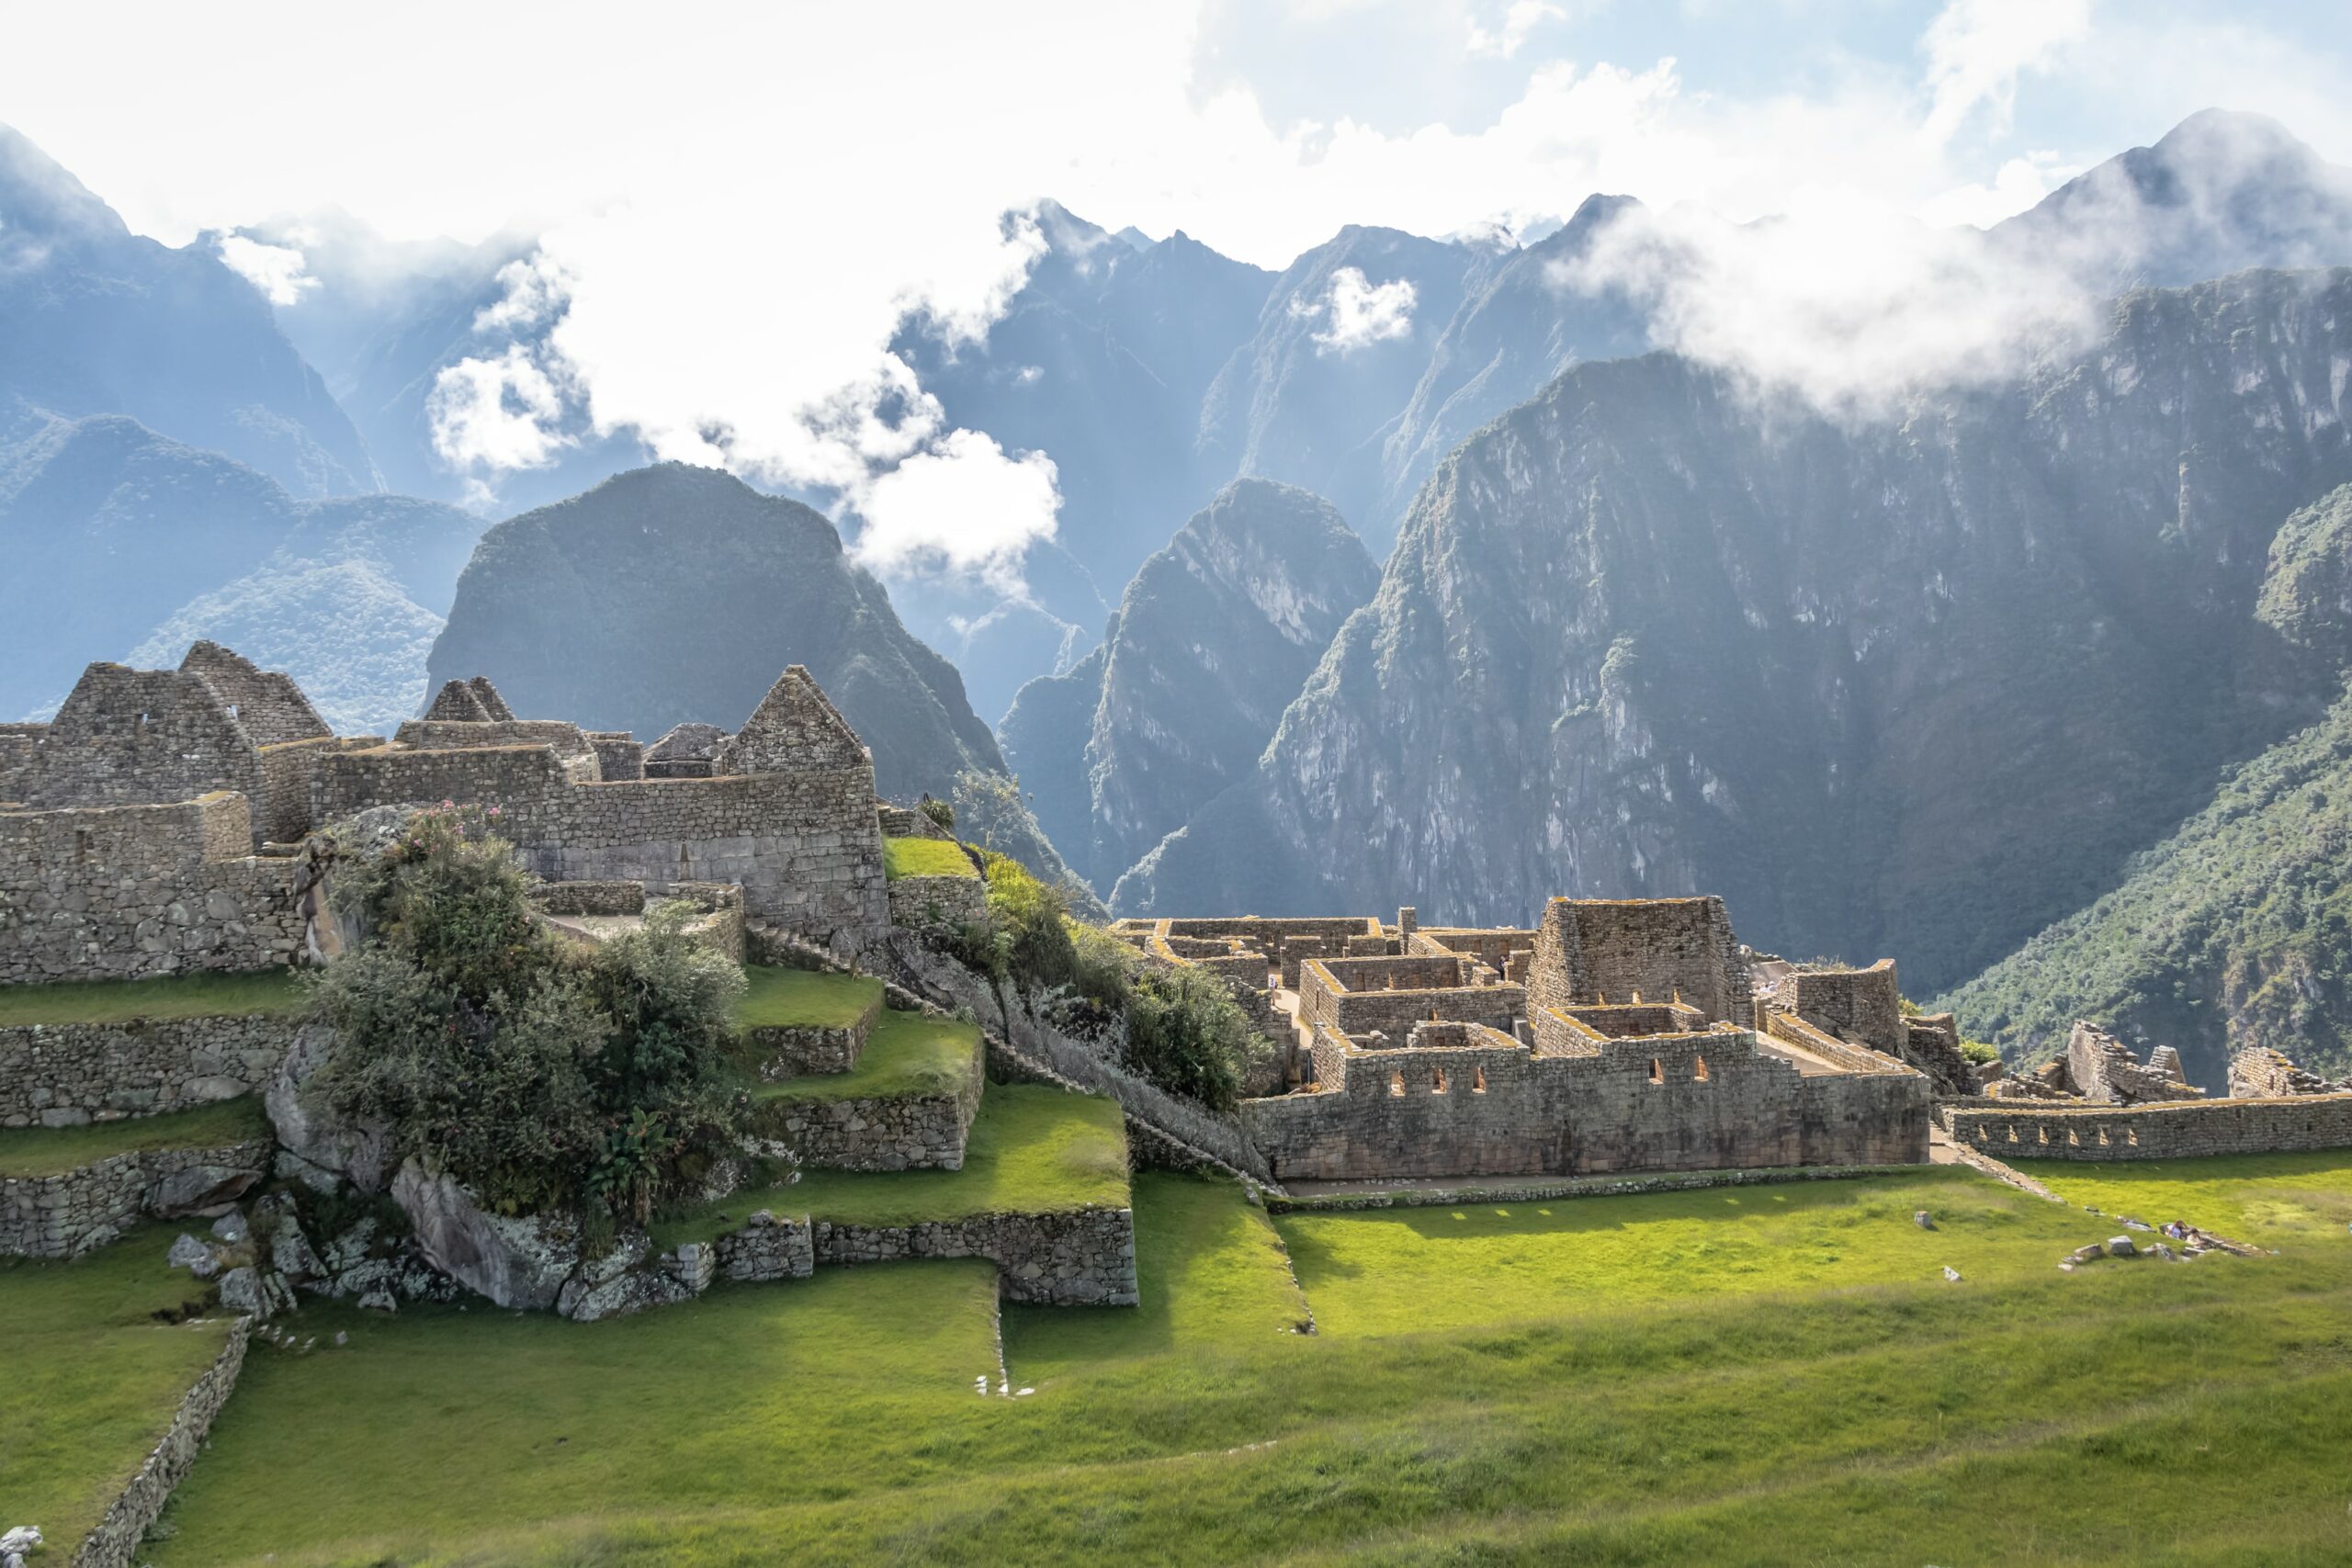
(1615, 1036)
(160, 822)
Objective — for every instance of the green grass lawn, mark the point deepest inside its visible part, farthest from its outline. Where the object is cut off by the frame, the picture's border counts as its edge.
(1033, 1149)
(46, 1151)
(92, 1379)
(2147, 1414)
(908, 1054)
(1211, 1273)
(782, 998)
(2295, 1200)
(1396, 1271)
(275, 992)
(925, 857)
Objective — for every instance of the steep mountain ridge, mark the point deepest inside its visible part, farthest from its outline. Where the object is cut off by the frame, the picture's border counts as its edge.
(95, 319)
(1212, 638)
(1914, 688)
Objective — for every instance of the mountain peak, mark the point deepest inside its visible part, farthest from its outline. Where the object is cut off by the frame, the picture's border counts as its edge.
(39, 196)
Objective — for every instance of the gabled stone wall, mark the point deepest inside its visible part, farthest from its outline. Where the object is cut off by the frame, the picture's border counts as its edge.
(266, 703)
(128, 737)
(1590, 950)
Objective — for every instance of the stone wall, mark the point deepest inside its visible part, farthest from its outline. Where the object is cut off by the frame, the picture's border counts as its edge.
(116, 1541)
(1084, 1257)
(128, 737)
(2174, 1130)
(769, 1246)
(619, 757)
(18, 742)
(2104, 1071)
(61, 1075)
(1590, 950)
(911, 1132)
(266, 703)
(67, 1214)
(920, 901)
(2261, 1073)
(566, 740)
(1864, 1006)
(780, 1051)
(1324, 997)
(1493, 1107)
(120, 892)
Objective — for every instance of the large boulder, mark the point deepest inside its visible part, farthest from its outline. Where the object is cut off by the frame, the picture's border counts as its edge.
(314, 1148)
(199, 1188)
(626, 1280)
(515, 1261)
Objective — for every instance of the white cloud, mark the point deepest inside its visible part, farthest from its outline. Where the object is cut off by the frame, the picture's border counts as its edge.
(1841, 303)
(2018, 184)
(1357, 314)
(278, 271)
(1522, 19)
(962, 504)
(1976, 49)
(497, 413)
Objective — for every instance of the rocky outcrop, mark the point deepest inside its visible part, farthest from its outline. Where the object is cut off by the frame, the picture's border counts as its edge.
(515, 1261)
(1213, 639)
(312, 1148)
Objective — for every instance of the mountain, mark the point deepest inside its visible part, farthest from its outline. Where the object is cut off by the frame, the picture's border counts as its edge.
(126, 545)
(1915, 687)
(676, 593)
(2220, 192)
(1212, 638)
(1340, 344)
(1520, 328)
(95, 319)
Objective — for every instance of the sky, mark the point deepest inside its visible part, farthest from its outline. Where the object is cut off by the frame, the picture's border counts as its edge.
(740, 201)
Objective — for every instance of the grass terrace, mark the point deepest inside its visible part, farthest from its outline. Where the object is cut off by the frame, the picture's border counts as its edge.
(51, 1151)
(2292, 1202)
(804, 998)
(1399, 1271)
(2148, 1413)
(925, 857)
(277, 993)
(1033, 1149)
(908, 1054)
(98, 1363)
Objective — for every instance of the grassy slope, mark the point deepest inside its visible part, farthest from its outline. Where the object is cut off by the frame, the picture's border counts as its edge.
(778, 998)
(1032, 1150)
(1211, 1273)
(925, 857)
(2298, 1201)
(2036, 1419)
(45, 1151)
(908, 1054)
(273, 992)
(1395, 1272)
(2236, 931)
(93, 1379)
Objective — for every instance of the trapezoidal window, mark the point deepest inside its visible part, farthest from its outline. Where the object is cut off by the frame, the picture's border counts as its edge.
(1699, 1070)
(1658, 1070)
(1396, 1085)
(1437, 1081)
(1478, 1080)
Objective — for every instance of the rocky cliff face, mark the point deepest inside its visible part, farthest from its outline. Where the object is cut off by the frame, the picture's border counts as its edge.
(1914, 688)
(1215, 636)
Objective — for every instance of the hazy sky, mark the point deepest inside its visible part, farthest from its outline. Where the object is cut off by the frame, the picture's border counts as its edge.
(739, 201)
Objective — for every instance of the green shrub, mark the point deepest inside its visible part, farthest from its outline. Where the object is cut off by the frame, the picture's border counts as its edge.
(1979, 1051)
(541, 1075)
(939, 811)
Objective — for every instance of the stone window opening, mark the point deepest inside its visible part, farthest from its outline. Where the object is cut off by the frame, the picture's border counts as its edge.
(1699, 1071)
(1437, 1081)
(2131, 1135)
(1396, 1085)
(1478, 1080)
(1658, 1070)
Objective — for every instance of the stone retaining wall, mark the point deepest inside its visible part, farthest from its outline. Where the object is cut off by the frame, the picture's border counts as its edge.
(59, 1075)
(783, 1051)
(919, 901)
(923, 1132)
(2175, 1130)
(772, 1247)
(1084, 1257)
(116, 1541)
(67, 1214)
(1589, 1187)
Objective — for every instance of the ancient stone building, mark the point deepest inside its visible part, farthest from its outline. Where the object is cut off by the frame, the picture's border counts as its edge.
(157, 823)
